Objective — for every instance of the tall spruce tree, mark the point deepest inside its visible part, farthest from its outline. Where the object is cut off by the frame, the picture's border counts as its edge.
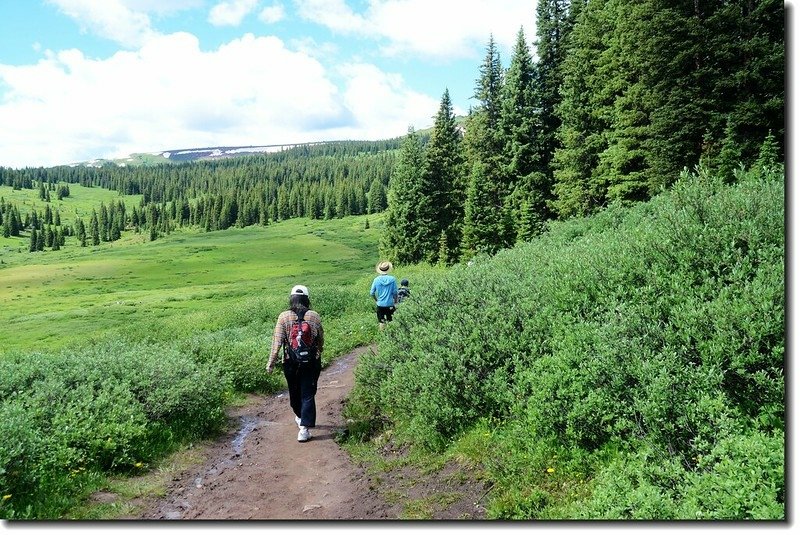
(34, 241)
(483, 221)
(483, 152)
(402, 239)
(554, 22)
(81, 232)
(376, 197)
(656, 86)
(521, 124)
(584, 112)
(94, 229)
(743, 60)
(441, 205)
(484, 139)
(623, 165)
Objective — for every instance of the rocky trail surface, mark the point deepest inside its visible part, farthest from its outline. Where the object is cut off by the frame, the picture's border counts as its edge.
(259, 471)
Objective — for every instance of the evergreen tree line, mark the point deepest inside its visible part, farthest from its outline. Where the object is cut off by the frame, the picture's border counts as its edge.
(362, 161)
(620, 98)
(323, 181)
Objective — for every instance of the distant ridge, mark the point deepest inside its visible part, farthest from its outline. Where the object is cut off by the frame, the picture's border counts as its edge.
(190, 155)
(218, 153)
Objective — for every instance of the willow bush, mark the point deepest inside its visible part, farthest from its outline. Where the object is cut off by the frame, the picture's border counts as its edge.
(70, 417)
(649, 335)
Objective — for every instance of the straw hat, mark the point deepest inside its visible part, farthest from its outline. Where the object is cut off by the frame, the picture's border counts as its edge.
(383, 267)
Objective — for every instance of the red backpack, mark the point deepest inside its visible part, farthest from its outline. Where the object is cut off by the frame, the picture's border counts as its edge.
(301, 346)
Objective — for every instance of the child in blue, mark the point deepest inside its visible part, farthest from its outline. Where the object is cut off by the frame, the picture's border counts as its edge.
(384, 292)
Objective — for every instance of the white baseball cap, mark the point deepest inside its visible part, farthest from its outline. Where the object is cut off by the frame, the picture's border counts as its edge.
(299, 290)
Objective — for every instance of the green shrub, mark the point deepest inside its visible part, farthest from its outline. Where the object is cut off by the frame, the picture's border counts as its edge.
(741, 478)
(659, 325)
(111, 407)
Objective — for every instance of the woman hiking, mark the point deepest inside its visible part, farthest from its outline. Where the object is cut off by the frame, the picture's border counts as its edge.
(299, 331)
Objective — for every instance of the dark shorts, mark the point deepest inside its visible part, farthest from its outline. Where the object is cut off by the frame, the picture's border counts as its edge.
(385, 314)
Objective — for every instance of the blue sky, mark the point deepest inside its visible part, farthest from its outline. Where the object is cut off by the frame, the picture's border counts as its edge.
(84, 79)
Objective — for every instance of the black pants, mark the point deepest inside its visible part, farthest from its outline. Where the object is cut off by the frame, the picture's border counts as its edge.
(302, 381)
(384, 314)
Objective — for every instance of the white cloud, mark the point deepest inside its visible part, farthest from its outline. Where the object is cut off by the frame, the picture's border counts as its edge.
(334, 14)
(313, 48)
(428, 28)
(383, 105)
(171, 95)
(272, 14)
(231, 12)
(110, 19)
(161, 6)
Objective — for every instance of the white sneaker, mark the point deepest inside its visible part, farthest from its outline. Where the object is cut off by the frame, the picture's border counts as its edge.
(297, 419)
(303, 435)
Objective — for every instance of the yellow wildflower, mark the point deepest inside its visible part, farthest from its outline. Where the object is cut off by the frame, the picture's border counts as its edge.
(138, 465)
(551, 470)
(7, 497)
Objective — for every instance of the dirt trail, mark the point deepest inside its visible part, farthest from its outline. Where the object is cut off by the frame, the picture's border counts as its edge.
(260, 471)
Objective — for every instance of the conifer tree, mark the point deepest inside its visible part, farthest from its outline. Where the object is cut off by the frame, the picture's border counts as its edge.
(81, 232)
(484, 141)
(768, 157)
(522, 126)
(441, 204)
(16, 222)
(483, 222)
(115, 233)
(34, 240)
(583, 113)
(283, 203)
(135, 218)
(554, 21)
(729, 158)
(743, 65)
(94, 229)
(103, 222)
(402, 239)
(483, 149)
(376, 197)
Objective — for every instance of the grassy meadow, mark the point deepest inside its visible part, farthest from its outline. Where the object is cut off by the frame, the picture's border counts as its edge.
(183, 281)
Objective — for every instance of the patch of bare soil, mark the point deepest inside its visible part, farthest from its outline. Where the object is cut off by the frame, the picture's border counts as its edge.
(259, 471)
